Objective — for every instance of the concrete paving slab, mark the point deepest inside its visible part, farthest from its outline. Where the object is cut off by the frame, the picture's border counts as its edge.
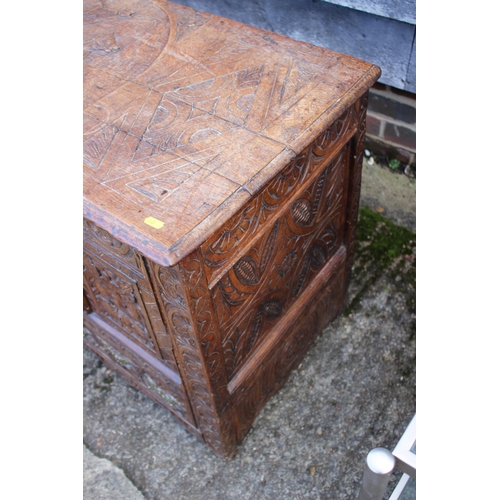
(391, 194)
(102, 480)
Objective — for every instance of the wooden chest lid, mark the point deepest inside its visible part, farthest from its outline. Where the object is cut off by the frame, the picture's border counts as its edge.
(187, 115)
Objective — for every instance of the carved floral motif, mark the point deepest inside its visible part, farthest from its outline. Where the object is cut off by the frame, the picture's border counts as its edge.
(117, 299)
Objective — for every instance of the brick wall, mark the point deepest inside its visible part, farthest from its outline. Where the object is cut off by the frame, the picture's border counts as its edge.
(391, 124)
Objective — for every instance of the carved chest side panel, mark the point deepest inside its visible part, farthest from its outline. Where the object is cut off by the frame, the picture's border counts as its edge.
(117, 288)
(139, 369)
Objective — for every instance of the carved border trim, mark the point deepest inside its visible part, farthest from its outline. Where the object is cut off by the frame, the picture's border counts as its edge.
(354, 193)
(189, 314)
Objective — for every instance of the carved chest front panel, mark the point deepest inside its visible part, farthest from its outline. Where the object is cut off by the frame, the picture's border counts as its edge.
(268, 278)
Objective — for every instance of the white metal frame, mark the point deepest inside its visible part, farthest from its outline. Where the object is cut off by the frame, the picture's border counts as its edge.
(380, 464)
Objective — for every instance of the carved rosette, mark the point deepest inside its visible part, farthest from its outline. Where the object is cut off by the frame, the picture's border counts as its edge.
(189, 314)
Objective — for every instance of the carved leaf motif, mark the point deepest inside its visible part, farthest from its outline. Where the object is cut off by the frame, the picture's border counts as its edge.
(229, 349)
(322, 143)
(246, 271)
(318, 192)
(286, 180)
(254, 331)
(181, 325)
(269, 246)
(302, 212)
(249, 76)
(302, 276)
(231, 295)
(231, 235)
(287, 263)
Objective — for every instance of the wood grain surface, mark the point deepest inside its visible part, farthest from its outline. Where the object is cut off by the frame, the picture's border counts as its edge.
(183, 111)
(222, 170)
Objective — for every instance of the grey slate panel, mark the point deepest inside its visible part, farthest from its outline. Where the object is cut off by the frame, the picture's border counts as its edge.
(411, 76)
(399, 10)
(379, 40)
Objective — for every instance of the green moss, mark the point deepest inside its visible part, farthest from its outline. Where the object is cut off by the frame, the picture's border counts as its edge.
(384, 240)
(394, 164)
(382, 246)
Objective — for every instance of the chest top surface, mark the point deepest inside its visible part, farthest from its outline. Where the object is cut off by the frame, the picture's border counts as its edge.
(187, 115)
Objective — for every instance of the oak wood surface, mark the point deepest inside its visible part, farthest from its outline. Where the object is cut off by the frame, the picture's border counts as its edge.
(222, 170)
(187, 114)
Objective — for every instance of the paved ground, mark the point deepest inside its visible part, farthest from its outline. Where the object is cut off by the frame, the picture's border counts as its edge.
(354, 390)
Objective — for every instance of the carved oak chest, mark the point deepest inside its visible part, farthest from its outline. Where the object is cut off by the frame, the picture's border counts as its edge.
(222, 171)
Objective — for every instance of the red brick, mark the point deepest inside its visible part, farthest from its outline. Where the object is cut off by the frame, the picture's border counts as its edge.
(400, 135)
(388, 106)
(404, 93)
(373, 125)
